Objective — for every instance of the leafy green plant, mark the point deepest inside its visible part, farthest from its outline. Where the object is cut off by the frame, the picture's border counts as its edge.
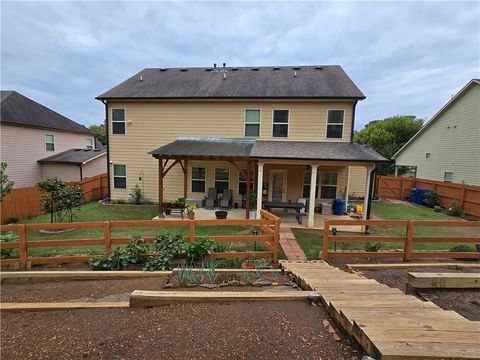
(118, 259)
(160, 262)
(432, 199)
(199, 248)
(462, 248)
(223, 247)
(455, 210)
(6, 237)
(372, 247)
(136, 194)
(184, 275)
(138, 249)
(170, 243)
(245, 276)
(60, 199)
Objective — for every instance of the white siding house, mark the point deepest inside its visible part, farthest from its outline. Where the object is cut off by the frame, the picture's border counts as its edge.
(447, 148)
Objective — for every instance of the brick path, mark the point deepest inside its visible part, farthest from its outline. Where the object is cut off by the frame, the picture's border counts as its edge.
(290, 246)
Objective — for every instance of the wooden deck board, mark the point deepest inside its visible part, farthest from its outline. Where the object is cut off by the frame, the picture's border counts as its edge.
(18, 307)
(419, 280)
(388, 323)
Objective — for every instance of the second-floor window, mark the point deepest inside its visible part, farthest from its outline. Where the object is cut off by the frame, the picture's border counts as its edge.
(252, 122)
(198, 179)
(335, 124)
(280, 123)
(89, 144)
(118, 121)
(49, 142)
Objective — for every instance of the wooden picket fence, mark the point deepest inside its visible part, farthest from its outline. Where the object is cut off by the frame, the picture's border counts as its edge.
(268, 224)
(407, 253)
(396, 187)
(24, 202)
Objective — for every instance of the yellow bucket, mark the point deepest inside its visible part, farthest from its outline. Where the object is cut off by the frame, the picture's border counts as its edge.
(359, 209)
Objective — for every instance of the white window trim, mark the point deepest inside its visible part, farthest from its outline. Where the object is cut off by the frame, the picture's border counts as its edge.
(326, 125)
(124, 121)
(245, 123)
(288, 123)
(53, 136)
(192, 179)
(91, 143)
(319, 177)
(451, 172)
(215, 175)
(114, 176)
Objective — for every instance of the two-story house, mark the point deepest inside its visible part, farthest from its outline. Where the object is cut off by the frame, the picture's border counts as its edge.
(288, 130)
(37, 142)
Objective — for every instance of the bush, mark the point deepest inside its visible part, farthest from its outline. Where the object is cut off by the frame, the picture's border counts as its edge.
(166, 246)
(136, 194)
(432, 199)
(372, 247)
(161, 262)
(121, 258)
(6, 237)
(199, 248)
(462, 248)
(455, 210)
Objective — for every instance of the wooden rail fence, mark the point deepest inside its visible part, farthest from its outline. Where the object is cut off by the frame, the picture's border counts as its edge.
(408, 239)
(269, 226)
(24, 202)
(396, 187)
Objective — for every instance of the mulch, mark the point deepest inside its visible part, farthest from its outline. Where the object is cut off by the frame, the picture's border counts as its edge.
(241, 330)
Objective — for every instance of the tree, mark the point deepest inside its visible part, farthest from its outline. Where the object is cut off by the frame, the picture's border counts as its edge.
(100, 133)
(6, 184)
(59, 198)
(387, 136)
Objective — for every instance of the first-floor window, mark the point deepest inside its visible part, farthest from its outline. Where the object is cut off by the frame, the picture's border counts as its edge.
(328, 185)
(89, 144)
(307, 178)
(448, 176)
(222, 179)
(49, 142)
(198, 179)
(120, 176)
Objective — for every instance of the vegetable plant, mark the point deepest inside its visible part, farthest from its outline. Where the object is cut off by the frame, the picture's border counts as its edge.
(8, 236)
(199, 248)
(372, 247)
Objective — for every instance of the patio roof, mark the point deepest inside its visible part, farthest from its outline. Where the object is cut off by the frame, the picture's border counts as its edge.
(74, 156)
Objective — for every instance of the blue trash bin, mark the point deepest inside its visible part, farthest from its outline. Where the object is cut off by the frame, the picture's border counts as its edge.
(339, 207)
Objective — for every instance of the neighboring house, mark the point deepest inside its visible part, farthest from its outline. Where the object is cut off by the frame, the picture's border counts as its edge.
(447, 148)
(185, 130)
(37, 143)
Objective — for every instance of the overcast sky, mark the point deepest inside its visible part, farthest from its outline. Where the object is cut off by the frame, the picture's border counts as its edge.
(407, 57)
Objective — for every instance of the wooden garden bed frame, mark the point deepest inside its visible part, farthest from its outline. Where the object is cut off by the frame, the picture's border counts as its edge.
(408, 239)
(268, 224)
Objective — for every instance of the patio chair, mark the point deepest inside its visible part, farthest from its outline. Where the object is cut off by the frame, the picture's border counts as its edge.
(211, 200)
(226, 202)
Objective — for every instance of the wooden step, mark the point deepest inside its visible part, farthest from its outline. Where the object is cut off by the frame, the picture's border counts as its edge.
(40, 276)
(420, 280)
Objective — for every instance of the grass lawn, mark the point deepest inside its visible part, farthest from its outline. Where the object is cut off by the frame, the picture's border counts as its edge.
(96, 212)
(311, 241)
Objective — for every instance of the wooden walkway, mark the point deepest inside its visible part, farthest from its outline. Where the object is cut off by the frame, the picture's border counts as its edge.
(386, 322)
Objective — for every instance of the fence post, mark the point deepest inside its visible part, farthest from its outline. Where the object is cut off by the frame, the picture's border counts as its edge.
(407, 250)
(462, 197)
(22, 247)
(192, 231)
(326, 239)
(402, 188)
(276, 239)
(108, 237)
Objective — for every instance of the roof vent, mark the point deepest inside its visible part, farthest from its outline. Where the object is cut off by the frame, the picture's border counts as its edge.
(296, 68)
(224, 76)
(295, 74)
(254, 69)
(276, 68)
(141, 77)
(163, 69)
(233, 69)
(208, 69)
(318, 68)
(77, 149)
(184, 69)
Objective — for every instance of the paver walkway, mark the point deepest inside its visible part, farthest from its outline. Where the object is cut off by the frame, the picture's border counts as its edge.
(386, 322)
(290, 247)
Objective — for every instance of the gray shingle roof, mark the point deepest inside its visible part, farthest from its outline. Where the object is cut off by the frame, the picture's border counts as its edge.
(205, 147)
(20, 110)
(74, 156)
(233, 147)
(310, 82)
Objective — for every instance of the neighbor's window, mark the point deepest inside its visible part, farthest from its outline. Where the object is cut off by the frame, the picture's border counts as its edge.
(280, 123)
(120, 176)
(89, 144)
(448, 176)
(118, 121)
(335, 124)
(198, 179)
(252, 123)
(428, 155)
(307, 178)
(222, 179)
(49, 142)
(328, 185)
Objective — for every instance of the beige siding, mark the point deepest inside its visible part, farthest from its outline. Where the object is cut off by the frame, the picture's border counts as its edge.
(358, 178)
(61, 171)
(21, 147)
(153, 124)
(453, 140)
(95, 167)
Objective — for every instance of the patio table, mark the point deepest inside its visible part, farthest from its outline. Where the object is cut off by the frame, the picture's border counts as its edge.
(286, 205)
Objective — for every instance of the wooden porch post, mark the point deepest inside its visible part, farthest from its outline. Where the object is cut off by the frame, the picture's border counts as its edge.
(347, 189)
(367, 192)
(311, 202)
(259, 188)
(160, 186)
(185, 179)
(249, 180)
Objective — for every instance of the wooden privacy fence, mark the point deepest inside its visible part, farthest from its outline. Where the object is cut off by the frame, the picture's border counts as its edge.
(408, 239)
(396, 187)
(269, 226)
(22, 203)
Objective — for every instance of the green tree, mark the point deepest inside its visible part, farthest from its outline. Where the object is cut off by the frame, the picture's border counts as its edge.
(6, 184)
(387, 136)
(100, 133)
(60, 199)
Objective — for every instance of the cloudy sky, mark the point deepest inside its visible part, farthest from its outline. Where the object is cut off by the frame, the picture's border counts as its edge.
(407, 57)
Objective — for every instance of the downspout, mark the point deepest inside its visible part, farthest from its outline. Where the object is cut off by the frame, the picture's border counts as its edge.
(353, 120)
(81, 171)
(107, 132)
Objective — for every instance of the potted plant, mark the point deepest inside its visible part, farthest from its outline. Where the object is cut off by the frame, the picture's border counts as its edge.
(253, 205)
(191, 211)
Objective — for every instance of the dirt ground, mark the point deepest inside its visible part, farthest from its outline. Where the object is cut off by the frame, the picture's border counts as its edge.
(242, 330)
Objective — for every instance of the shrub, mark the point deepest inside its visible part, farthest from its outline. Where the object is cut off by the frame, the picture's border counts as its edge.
(161, 262)
(462, 248)
(137, 249)
(59, 199)
(199, 248)
(455, 210)
(9, 236)
(136, 194)
(170, 243)
(432, 199)
(372, 247)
